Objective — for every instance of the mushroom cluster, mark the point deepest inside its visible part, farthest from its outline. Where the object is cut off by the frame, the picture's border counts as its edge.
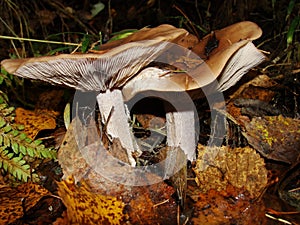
(120, 71)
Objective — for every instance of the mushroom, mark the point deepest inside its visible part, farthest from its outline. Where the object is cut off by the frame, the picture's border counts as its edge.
(105, 73)
(118, 75)
(227, 63)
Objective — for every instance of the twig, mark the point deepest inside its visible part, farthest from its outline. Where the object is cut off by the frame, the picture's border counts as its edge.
(160, 203)
(270, 39)
(278, 219)
(189, 21)
(36, 40)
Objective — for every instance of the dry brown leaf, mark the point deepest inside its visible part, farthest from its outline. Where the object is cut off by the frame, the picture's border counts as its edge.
(87, 207)
(259, 88)
(17, 201)
(275, 137)
(230, 206)
(44, 115)
(240, 167)
(151, 204)
(69, 156)
(34, 122)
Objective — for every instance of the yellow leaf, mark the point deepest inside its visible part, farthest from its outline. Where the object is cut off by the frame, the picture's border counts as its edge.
(87, 207)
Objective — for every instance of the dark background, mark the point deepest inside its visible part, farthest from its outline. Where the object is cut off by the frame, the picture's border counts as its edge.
(58, 20)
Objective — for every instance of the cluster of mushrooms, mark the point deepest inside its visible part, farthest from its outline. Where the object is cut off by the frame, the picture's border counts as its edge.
(122, 69)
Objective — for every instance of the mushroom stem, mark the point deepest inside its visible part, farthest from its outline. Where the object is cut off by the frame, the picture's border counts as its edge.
(181, 132)
(113, 114)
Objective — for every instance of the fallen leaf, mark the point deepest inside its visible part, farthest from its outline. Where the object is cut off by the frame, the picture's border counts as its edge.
(15, 202)
(230, 206)
(44, 115)
(34, 122)
(86, 207)
(240, 167)
(275, 137)
(258, 89)
(69, 156)
(151, 204)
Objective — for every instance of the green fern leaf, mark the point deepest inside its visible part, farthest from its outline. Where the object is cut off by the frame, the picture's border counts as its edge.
(22, 150)
(7, 128)
(37, 142)
(2, 122)
(16, 166)
(14, 133)
(22, 136)
(30, 152)
(6, 142)
(14, 145)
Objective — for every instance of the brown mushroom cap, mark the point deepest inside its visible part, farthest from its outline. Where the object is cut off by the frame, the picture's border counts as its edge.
(226, 66)
(89, 72)
(110, 68)
(117, 65)
(227, 36)
(164, 32)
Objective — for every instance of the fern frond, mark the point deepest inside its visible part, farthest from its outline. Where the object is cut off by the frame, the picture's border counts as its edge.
(20, 143)
(16, 166)
(6, 112)
(14, 145)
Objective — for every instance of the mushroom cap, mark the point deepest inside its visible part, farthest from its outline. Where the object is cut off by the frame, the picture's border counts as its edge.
(228, 62)
(245, 30)
(226, 67)
(121, 60)
(89, 72)
(109, 68)
(164, 32)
